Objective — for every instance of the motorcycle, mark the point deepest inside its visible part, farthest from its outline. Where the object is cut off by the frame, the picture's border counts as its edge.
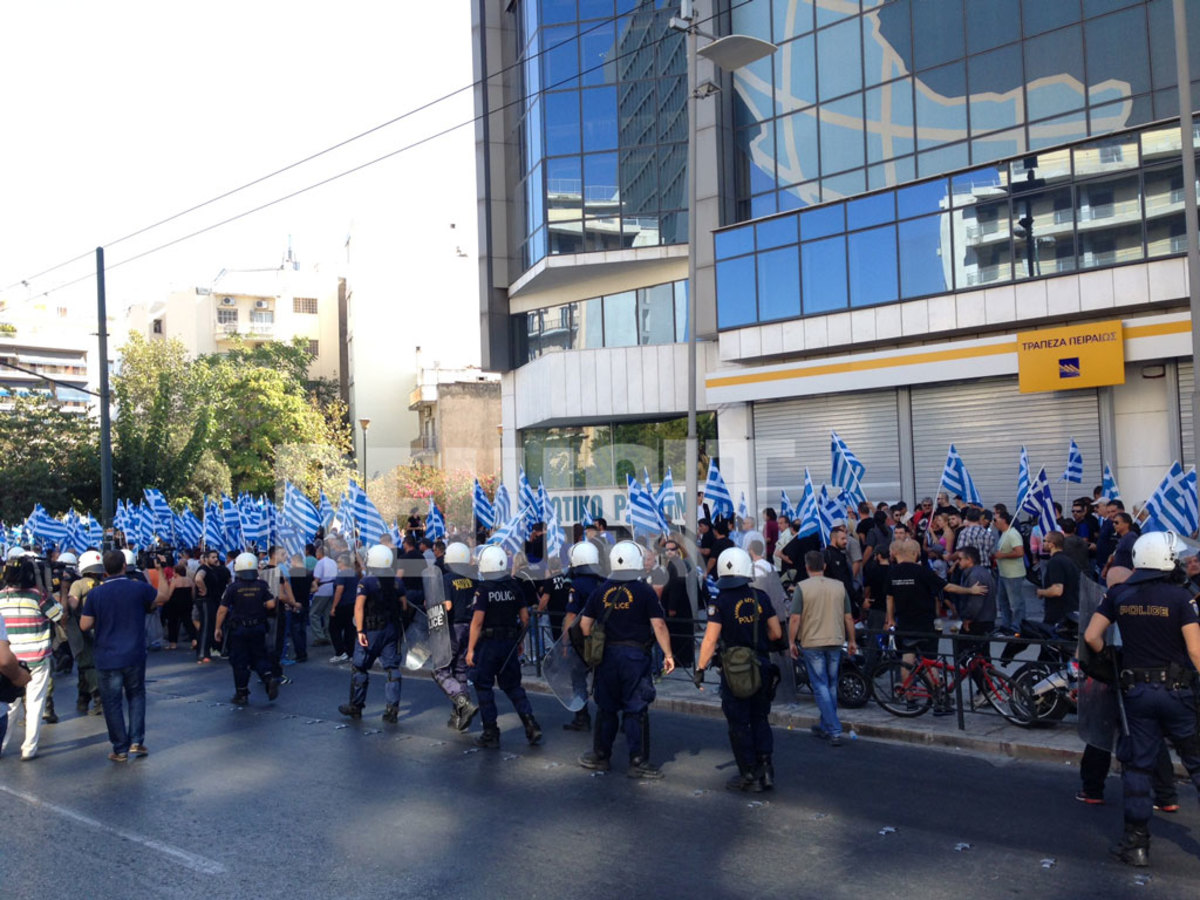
(854, 688)
(1051, 681)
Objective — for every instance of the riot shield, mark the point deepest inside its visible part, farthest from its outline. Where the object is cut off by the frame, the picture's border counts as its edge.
(566, 674)
(1097, 702)
(437, 618)
(416, 642)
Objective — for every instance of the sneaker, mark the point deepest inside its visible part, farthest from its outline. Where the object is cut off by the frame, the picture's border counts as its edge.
(1090, 800)
(139, 750)
(25, 757)
(283, 679)
(287, 662)
(590, 760)
(819, 732)
(835, 740)
(340, 658)
(119, 757)
(640, 768)
(1167, 807)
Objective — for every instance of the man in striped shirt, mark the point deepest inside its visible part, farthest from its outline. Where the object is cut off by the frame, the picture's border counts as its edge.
(28, 615)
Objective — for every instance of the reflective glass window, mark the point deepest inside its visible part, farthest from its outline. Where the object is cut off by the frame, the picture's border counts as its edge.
(1110, 154)
(937, 32)
(1043, 229)
(799, 196)
(597, 52)
(753, 19)
(839, 59)
(1049, 164)
(997, 145)
(561, 58)
(763, 205)
(620, 319)
(848, 184)
(733, 242)
(873, 210)
(535, 204)
(1039, 15)
(602, 196)
(823, 275)
(562, 123)
(795, 74)
(889, 117)
(779, 283)
(672, 176)
(736, 289)
(842, 134)
(656, 314)
(1098, 7)
(564, 187)
(1108, 212)
(928, 196)
(599, 118)
(884, 63)
(1048, 58)
(873, 277)
(791, 17)
(1116, 47)
(832, 12)
(996, 97)
(827, 220)
(681, 312)
(757, 144)
(924, 251)
(1060, 130)
(776, 232)
(591, 324)
(982, 245)
(796, 147)
(992, 24)
(1166, 226)
(595, 9)
(972, 186)
(941, 106)
(943, 159)
(557, 11)
(896, 171)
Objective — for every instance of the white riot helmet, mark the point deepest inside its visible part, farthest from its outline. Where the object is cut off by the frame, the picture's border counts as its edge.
(458, 558)
(245, 565)
(493, 563)
(91, 563)
(625, 561)
(68, 560)
(17, 553)
(1156, 550)
(734, 568)
(380, 557)
(584, 557)
(130, 559)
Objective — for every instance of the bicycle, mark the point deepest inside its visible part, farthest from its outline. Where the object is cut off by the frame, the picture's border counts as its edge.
(908, 690)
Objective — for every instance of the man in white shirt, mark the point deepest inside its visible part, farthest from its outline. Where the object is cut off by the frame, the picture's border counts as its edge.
(322, 596)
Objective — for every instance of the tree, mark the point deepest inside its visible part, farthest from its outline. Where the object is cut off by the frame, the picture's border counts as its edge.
(50, 457)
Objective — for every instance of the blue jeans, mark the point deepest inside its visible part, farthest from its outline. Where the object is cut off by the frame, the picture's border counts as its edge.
(129, 684)
(823, 668)
(1010, 602)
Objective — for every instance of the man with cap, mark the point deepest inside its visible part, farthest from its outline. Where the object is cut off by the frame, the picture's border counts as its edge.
(378, 606)
(629, 614)
(246, 604)
(1160, 653)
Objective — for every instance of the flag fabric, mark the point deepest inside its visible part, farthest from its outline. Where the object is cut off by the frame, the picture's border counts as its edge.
(190, 529)
(1074, 471)
(45, 528)
(956, 480)
(1108, 486)
(435, 524)
(214, 528)
(665, 497)
(527, 498)
(717, 493)
(481, 507)
(555, 539)
(502, 505)
(586, 519)
(234, 539)
(1039, 503)
(643, 513)
(847, 469)
(1173, 505)
(326, 510)
(743, 510)
(807, 512)
(785, 506)
(367, 519)
(664, 522)
(300, 514)
(164, 518)
(1022, 478)
(511, 535)
(830, 512)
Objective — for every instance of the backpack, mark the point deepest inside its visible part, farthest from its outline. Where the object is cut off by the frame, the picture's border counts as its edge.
(743, 674)
(593, 643)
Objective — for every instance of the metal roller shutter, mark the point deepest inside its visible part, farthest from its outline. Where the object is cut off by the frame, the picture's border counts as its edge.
(792, 434)
(988, 422)
(1186, 432)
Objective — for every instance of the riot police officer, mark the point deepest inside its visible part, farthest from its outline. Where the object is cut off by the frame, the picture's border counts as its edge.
(91, 573)
(246, 603)
(460, 586)
(498, 619)
(741, 617)
(585, 577)
(378, 607)
(630, 615)
(1160, 634)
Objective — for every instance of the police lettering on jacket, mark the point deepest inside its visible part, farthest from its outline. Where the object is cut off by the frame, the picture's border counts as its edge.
(460, 591)
(500, 602)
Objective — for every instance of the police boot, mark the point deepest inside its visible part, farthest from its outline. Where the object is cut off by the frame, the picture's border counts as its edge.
(49, 716)
(465, 711)
(766, 772)
(241, 698)
(581, 722)
(391, 713)
(640, 767)
(745, 780)
(349, 709)
(1134, 849)
(533, 731)
(489, 738)
(593, 760)
(272, 688)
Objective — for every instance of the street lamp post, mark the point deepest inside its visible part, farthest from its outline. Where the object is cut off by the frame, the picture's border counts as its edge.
(1188, 162)
(365, 423)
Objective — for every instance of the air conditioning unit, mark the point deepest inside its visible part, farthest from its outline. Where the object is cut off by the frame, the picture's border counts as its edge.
(228, 301)
(262, 304)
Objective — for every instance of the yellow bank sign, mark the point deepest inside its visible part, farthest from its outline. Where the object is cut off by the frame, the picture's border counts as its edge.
(1075, 356)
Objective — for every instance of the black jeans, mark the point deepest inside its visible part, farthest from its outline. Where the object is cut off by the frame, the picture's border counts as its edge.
(342, 632)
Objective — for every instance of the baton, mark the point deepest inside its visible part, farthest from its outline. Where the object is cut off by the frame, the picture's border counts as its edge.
(520, 638)
(1121, 709)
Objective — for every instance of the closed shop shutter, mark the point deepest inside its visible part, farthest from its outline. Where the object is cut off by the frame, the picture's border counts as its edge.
(989, 421)
(1184, 367)
(790, 435)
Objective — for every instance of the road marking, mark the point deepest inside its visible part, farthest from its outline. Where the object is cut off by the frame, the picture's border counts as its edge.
(193, 861)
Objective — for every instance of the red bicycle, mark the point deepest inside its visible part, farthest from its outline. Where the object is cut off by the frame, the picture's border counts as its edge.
(909, 689)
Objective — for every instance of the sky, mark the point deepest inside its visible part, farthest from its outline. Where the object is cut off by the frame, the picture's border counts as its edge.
(118, 115)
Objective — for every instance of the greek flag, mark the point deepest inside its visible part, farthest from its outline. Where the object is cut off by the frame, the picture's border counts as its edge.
(481, 507)
(190, 529)
(1173, 505)
(44, 527)
(1108, 487)
(293, 541)
(586, 519)
(1039, 503)
(847, 469)
(956, 480)
(555, 539)
(527, 497)
(785, 506)
(95, 531)
(164, 518)
(1022, 478)
(1074, 471)
(214, 528)
(502, 506)
(743, 510)
(665, 497)
(643, 513)
(830, 513)
(233, 523)
(543, 502)
(511, 535)
(807, 512)
(326, 510)
(716, 492)
(370, 523)
(435, 524)
(254, 526)
(300, 514)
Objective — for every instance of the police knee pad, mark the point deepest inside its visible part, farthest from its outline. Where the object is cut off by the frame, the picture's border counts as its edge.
(357, 671)
(393, 674)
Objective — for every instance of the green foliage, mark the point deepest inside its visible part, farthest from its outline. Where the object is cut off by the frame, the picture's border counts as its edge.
(50, 457)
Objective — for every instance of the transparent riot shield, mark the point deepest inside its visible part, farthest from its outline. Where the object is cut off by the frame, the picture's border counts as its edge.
(1097, 701)
(437, 618)
(416, 643)
(566, 674)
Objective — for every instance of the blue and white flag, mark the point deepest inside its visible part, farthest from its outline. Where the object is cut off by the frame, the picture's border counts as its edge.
(234, 539)
(1022, 478)
(435, 523)
(1108, 487)
(214, 527)
(45, 528)
(1173, 505)
(1039, 503)
(369, 522)
(643, 513)
(743, 510)
(300, 514)
(555, 539)
(847, 469)
(481, 507)
(807, 512)
(543, 502)
(665, 497)
(190, 529)
(956, 480)
(586, 519)
(163, 517)
(830, 512)
(511, 535)
(527, 497)
(785, 506)
(326, 510)
(1074, 470)
(717, 493)
(502, 505)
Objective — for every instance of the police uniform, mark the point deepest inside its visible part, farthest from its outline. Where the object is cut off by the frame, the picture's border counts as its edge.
(622, 682)
(381, 611)
(1157, 681)
(245, 624)
(582, 581)
(500, 609)
(82, 644)
(452, 678)
(743, 614)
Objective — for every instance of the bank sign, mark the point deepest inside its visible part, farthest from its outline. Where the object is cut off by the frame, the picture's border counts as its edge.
(1074, 356)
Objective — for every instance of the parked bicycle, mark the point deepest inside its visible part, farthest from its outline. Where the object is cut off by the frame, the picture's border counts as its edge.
(909, 689)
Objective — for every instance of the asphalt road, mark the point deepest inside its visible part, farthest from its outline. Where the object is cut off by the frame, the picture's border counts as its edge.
(281, 800)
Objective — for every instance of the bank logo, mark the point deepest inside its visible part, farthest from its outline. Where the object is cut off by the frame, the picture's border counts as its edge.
(1068, 368)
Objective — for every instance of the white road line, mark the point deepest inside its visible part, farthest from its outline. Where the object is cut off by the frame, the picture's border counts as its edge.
(193, 861)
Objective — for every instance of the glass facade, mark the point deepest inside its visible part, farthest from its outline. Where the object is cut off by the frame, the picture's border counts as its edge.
(1103, 202)
(601, 127)
(652, 315)
(862, 96)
